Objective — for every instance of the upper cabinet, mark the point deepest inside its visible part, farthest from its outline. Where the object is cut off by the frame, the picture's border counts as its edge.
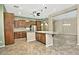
(19, 23)
(38, 25)
(23, 23)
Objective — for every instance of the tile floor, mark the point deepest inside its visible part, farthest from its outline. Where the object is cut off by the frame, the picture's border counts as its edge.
(21, 47)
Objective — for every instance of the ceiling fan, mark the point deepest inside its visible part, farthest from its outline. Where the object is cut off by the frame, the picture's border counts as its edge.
(35, 13)
(38, 13)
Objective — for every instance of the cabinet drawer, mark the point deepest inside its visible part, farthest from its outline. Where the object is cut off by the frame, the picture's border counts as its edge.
(19, 35)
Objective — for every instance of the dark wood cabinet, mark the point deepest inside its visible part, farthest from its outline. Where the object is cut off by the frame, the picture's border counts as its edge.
(8, 28)
(21, 34)
(38, 25)
(19, 24)
(41, 37)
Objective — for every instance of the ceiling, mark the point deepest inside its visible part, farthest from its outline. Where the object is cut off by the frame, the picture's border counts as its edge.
(26, 10)
(65, 16)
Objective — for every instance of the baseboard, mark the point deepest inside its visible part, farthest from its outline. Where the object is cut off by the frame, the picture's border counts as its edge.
(2, 46)
(49, 45)
(30, 40)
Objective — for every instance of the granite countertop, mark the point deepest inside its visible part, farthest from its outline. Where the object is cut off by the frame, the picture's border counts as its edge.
(51, 32)
(47, 32)
(22, 29)
(66, 34)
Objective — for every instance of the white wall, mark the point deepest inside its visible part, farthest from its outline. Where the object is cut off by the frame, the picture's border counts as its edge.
(2, 43)
(71, 27)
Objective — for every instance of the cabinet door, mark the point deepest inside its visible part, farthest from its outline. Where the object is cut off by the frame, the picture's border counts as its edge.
(38, 25)
(9, 39)
(38, 36)
(8, 28)
(8, 21)
(41, 37)
(20, 34)
(24, 34)
(16, 24)
(19, 23)
(16, 35)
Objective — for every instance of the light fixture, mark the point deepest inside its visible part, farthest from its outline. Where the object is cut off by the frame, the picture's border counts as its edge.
(27, 20)
(38, 13)
(66, 24)
(41, 24)
(45, 7)
(34, 12)
(46, 24)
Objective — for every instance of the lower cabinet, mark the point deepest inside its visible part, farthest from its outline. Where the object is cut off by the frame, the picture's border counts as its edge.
(41, 37)
(21, 34)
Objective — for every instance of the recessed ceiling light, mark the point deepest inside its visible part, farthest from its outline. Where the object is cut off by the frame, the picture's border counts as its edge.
(66, 24)
(34, 12)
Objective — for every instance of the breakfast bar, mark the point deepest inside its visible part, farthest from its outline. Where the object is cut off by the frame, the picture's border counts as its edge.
(44, 37)
(49, 36)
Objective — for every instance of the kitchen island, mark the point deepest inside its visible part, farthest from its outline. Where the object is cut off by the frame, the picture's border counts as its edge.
(47, 37)
(44, 37)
